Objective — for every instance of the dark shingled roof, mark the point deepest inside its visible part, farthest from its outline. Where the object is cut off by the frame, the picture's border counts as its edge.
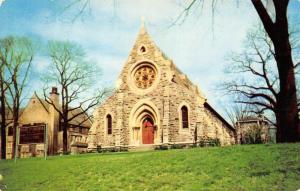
(82, 119)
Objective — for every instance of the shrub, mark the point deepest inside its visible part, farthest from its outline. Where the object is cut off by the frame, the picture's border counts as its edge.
(162, 147)
(252, 136)
(177, 146)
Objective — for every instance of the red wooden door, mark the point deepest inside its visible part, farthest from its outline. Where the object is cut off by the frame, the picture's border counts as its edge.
(148, 132)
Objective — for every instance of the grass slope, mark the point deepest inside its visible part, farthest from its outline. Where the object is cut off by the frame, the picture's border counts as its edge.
(253, 167)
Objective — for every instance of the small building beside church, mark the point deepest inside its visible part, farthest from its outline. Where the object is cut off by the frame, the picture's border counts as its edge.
(255, 129)
(155, 104)
(34, 117)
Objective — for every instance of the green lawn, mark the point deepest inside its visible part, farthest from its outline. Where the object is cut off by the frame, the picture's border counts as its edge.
(253, 167)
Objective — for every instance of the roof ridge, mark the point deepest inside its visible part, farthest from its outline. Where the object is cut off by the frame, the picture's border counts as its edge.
(41, 101)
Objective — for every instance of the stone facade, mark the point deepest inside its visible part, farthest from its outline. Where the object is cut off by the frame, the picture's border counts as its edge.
(151, 89)
(39, 113)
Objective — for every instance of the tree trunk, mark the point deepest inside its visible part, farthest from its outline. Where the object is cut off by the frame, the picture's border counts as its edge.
(287, 113)
(286, 110)
(287, 121)
(15, 126)
(3, 114)
(65, 136)
(16, 109)
(3, 128)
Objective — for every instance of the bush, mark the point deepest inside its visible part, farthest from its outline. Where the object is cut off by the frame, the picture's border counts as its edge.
(252, 136)
(177, 146)
(162, 147)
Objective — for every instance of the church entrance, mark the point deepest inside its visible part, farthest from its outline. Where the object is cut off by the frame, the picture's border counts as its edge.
(144, 122)
(148, 131)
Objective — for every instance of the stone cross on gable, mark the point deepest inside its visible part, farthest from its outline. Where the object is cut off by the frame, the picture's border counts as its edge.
(142, 30)
(142, 21)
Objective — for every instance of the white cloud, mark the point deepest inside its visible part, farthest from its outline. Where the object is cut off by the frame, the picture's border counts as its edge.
(110, 66)
(1, 2)
(40, 64)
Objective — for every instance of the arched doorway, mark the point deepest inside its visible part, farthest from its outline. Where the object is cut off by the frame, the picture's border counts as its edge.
(148, 131)
(144, 121)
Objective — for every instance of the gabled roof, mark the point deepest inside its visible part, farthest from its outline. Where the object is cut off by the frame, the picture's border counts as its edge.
(251, 119)
(81, 120)
(179, 77)
(43, 102)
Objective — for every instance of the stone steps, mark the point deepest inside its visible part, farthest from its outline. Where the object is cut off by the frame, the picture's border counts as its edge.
(142, 148)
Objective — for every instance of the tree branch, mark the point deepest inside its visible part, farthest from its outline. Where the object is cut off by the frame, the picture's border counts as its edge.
(264, 17)
(257, 103)
(264, 75)
(50, 102)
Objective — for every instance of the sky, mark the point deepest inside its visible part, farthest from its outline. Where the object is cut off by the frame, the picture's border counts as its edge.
(107, 30)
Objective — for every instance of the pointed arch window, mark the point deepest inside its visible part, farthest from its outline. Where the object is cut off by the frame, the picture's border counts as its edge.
(143, 49)
(109, 124)
(185, 117)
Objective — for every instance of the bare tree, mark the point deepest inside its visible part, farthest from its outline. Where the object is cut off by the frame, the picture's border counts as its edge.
(237, 111)
(259, 85)
(73, 76)
(81, 6)
(278, 32)
(81, 9)
(16, 57)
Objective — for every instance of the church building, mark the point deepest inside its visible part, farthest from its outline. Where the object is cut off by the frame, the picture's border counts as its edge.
(155, 104)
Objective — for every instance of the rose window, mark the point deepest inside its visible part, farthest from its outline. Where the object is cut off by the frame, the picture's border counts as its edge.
(144, 77)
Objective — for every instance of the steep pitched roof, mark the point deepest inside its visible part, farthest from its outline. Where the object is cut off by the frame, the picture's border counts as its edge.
(81, 120)
(143, 38)
(43, 102)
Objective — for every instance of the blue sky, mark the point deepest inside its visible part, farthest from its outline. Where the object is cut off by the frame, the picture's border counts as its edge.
(107, 33)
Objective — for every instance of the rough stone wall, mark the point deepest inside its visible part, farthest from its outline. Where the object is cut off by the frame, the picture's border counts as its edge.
(99, 129)
(209, 124)
(182, 96)
(215, 128)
